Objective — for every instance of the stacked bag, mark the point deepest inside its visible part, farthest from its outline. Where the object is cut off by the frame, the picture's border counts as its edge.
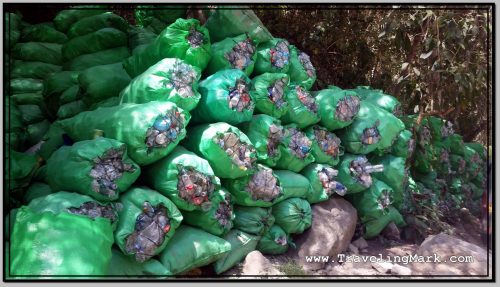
(181, 145)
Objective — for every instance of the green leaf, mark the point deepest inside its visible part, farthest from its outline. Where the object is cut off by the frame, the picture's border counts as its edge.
(426, 55)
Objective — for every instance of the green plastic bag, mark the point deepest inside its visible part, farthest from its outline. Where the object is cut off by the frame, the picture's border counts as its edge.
(430, 180)
(42, 32)
(374, 202)
(103, 57)
(31, 114)
(71, 109)
(253, 220)
(322, 179)
(129, 123)
(422, 159)
(35, 190)
(301, 70)
(404, 146)
(380, 99)
(296, 150)
(275, 241)
(241, 244)
(217, 220)
(27, 98)
(52, 140)
(166, 175)
(65, 18)
(71, 94)
(455, 144)
(94, 23)
(337, 108)
(59, 82)
(122, 265)
(292, 185)
(458, 164)
(190, 248)
(225, 97)
(40, 244)
(303, 109)
(9, 222)
(205, 141)
(164, 13)
(25, 85)
(36, 131)
(138, 36)
(38, 52)
(22, 167)
(326, 146)
(171, 80)
(294, 215)
(273, 56)
(133, 201)
(269, 95)
(374, 128)
(233, 53)
(12, 22)
(266, 134)
(231, 21)
(395, 175)
(102, 39)
(479, 148)
(102, 82)
(184, 39)
(90, 167)
(355, 172)
(477, 191)
(70, 202)
(35, 70)
(374, 227)
(15, 131)
(261, 189)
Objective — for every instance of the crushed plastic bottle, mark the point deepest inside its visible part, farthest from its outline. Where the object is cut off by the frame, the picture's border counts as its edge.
(347, 108)
(240, 57)
(165, 130)
(384, 200)
(305, 61)
(275, 92)
(93, 210)
(274, 139)
(239, 97)
(224, 213)
(150, 229)
(181, 78)
(107, 169)
(306, 99)
(371, 135)
(425, 135)
(263, 185)
(195, 38)
(447, 129)
(194, 186)
(281, 240)
(327, 178)
(280, 54)
(328, 142)
(360, 169)
(242, 154)
(300, 144)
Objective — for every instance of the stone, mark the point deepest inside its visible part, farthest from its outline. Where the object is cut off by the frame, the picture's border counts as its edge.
(360, 243)
(382, 267)
(400, 270)
(391, 231)
(353, 249)
(445, 246)
(333, 225)
(256, 264)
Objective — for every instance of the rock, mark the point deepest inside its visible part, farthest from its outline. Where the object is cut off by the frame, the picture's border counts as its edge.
(353, 249)
(446, 246)
(382, 267)
(333, 225)
(400, 270)
(391, 231)
(256, 264)
(360, 243)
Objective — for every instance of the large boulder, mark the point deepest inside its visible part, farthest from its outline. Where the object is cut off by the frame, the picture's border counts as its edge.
(446, 246)
(256, 264)
(333, 225)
